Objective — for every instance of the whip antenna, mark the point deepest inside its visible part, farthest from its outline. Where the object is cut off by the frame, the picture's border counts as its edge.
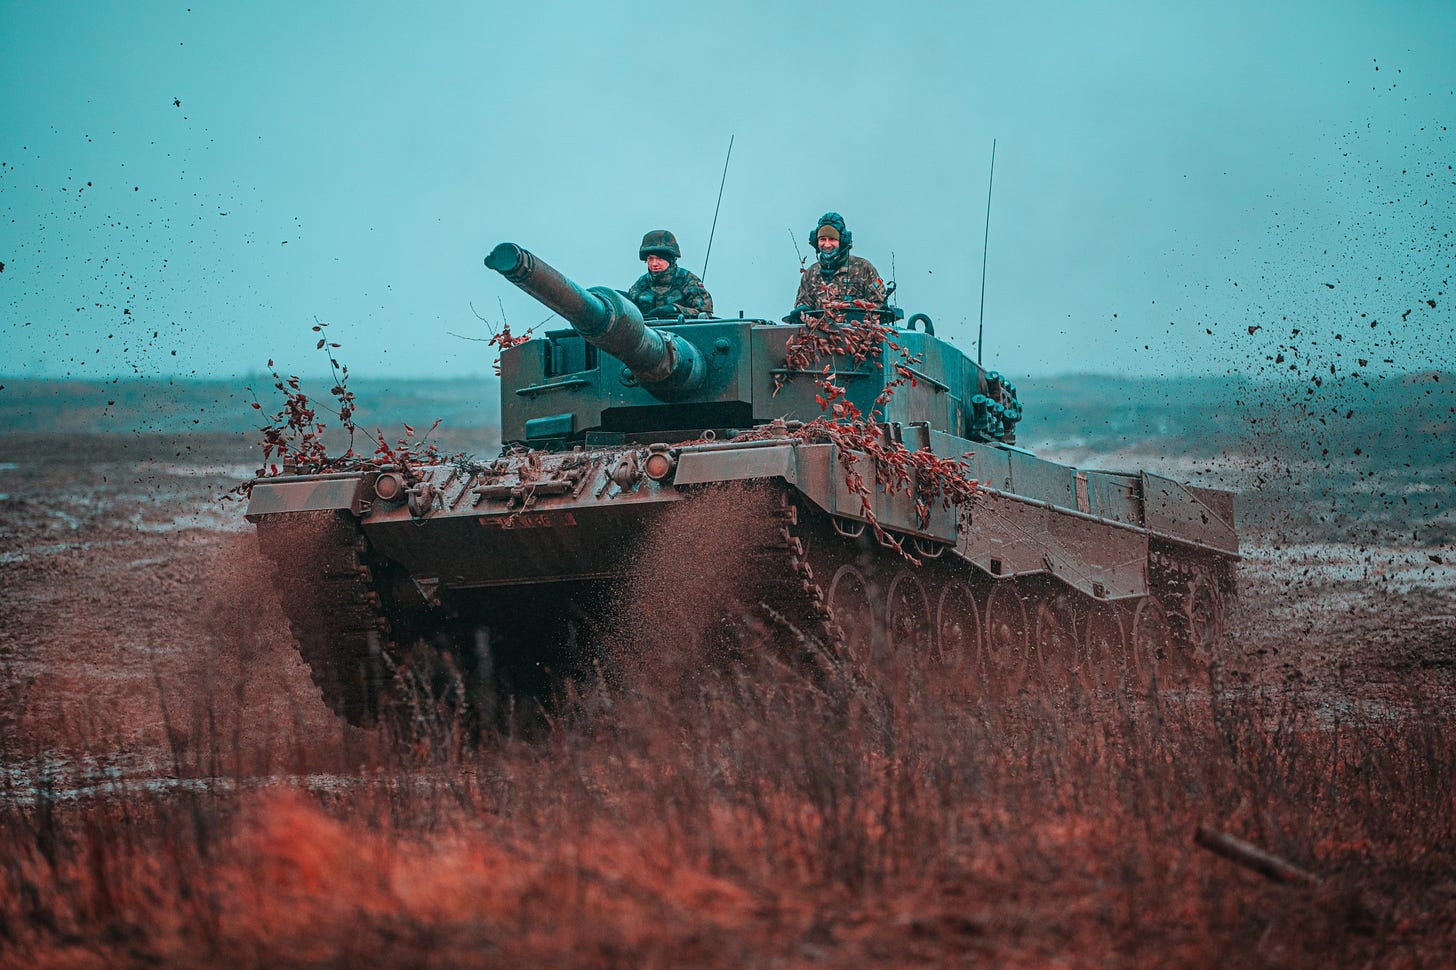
(981, 327)
(711, 231)
(795, 240)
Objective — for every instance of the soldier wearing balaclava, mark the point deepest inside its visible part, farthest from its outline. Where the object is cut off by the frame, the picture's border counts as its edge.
(836, 278)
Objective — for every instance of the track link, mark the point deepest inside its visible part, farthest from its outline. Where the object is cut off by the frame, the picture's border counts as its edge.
(783, 603)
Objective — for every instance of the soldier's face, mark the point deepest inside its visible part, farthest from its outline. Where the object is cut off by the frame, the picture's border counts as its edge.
(656, 264)
(828, 244)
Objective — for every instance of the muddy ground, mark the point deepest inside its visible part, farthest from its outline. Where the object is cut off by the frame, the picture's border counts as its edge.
(142, 648)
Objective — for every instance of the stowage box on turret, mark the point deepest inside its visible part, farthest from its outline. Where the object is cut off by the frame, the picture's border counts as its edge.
(845, 425)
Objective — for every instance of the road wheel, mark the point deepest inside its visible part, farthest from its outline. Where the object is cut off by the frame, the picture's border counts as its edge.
(1200, 624)
(1054, 636)
(1102, 661)
(1007, 634)
(909, 622)
(853, 609)
(1151, 640)
(958, 628)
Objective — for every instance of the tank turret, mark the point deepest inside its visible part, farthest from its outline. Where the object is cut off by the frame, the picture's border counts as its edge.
(723, 375)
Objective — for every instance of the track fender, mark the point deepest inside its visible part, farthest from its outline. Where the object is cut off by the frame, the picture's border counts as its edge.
(312, 494)
(1009, 536)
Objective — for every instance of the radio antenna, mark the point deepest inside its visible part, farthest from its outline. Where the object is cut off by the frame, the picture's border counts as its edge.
(713, 230)
(981, 327)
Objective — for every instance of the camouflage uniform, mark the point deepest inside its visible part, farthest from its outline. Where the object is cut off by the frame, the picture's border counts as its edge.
(853, 279)
(836, 276)
(672, 291)
(673, 287)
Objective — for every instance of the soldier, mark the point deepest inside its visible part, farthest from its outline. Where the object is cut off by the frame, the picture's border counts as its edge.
(666, 289)
(839, 277)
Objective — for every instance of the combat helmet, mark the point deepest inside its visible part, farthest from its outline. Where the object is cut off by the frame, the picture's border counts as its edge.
(835, 220)
(660, 242)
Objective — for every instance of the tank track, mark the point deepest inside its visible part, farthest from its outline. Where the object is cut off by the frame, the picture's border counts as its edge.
(382, 655)
(375, 662)
(833, 604)
(854, 600)
(322, 573)
(787, 599)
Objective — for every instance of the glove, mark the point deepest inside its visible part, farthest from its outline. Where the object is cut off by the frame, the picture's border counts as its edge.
(662, 313)
(796, 315)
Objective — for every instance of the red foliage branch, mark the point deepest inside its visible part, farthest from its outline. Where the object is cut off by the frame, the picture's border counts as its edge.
(407, 455)
(828, 334)
(927, 477)
(293, 436)
(505, 340)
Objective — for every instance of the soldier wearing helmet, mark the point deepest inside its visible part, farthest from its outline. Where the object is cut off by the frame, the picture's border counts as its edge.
(667, 290)
(836, 277)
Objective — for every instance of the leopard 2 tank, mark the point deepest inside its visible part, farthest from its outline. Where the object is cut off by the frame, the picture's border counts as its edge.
(884, 498)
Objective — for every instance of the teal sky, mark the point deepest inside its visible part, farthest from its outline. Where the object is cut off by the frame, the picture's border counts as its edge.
(1167, 175)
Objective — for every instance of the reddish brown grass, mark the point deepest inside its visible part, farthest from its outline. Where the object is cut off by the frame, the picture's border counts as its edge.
(696, 814)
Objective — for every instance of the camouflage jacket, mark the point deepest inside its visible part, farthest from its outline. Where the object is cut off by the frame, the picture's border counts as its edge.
(855, 279)
(681, 289)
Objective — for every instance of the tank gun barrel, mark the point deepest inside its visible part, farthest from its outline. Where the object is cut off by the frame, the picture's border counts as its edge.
(664, 363)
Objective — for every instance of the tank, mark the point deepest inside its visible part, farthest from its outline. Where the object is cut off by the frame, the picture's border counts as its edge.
(880, 486)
